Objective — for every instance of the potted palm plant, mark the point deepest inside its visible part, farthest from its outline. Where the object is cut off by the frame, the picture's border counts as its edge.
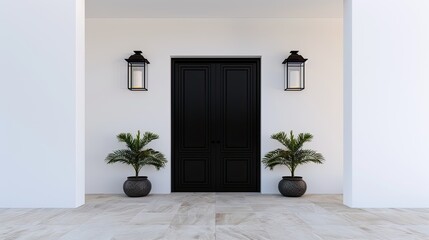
(136, 156)
(292, 156)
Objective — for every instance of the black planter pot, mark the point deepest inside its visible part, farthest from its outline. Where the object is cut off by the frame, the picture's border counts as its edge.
(292, 186)
(137, 186)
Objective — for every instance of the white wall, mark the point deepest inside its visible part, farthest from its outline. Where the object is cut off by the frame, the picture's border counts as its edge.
(386, 84)
(111, 108)
(41, 103)
(347, 103)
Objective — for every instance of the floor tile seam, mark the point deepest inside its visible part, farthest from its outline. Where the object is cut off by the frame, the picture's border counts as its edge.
(343, 223)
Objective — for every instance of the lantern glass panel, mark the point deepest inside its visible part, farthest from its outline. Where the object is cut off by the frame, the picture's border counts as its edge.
(137, 79)
(294, 76)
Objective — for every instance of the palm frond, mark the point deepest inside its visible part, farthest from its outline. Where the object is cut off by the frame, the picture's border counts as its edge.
(154, 158)
(306, 156)
(276, 157)
(128, 139)
(303, 138)
(282, 138)
(148, 137)
(124, 156)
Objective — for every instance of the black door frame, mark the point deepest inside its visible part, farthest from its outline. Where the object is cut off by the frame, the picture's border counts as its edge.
(258, 85)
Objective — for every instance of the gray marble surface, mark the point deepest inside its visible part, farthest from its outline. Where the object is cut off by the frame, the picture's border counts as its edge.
(222, 216)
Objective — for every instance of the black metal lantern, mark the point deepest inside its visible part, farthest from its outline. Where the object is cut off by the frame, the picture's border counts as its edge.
(294, 72)
(137, 72)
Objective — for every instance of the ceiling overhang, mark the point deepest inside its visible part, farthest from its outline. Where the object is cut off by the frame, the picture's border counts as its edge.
(214, 8)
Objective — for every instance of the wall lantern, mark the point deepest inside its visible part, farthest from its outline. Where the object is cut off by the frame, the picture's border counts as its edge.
(294, 72)
(137, 72)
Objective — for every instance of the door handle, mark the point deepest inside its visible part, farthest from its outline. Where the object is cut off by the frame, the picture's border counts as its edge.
(217, 141)
(213, 141)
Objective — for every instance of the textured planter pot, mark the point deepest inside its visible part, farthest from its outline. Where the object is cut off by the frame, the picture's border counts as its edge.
(292, 186)
(137, 186)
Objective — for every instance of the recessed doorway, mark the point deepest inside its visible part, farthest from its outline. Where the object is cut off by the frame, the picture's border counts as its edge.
(215, 124)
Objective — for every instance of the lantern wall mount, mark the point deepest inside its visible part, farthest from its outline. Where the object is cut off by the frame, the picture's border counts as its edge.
(137, 72)
(294, 78)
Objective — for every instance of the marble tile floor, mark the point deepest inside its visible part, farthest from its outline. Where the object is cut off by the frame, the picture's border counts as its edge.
(222, 216)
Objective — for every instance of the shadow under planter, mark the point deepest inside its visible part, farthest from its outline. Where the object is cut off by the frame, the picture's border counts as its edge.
(292, 186)
(137, 186)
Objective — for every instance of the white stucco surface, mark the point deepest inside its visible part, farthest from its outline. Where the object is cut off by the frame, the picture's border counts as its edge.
(386, 103)
(42, 87)
(111, 108)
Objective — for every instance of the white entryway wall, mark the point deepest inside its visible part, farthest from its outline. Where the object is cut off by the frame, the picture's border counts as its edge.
(386, 102)
(42, 115)
(111, 108)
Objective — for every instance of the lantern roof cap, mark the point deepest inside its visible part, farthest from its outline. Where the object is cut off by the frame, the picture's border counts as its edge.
(137, 57)
(294, 57)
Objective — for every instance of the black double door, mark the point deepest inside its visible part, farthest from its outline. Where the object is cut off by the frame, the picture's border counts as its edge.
(216, 125)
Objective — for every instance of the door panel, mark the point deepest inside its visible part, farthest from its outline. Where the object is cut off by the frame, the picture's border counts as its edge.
(235, 106)
(196, 171)
(237, 170)
(191, 137)
(215, 124)
(195, 109)
(239, 151)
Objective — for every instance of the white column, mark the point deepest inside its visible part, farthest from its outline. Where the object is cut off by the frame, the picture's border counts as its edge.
(42, 103)
(386, 103)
